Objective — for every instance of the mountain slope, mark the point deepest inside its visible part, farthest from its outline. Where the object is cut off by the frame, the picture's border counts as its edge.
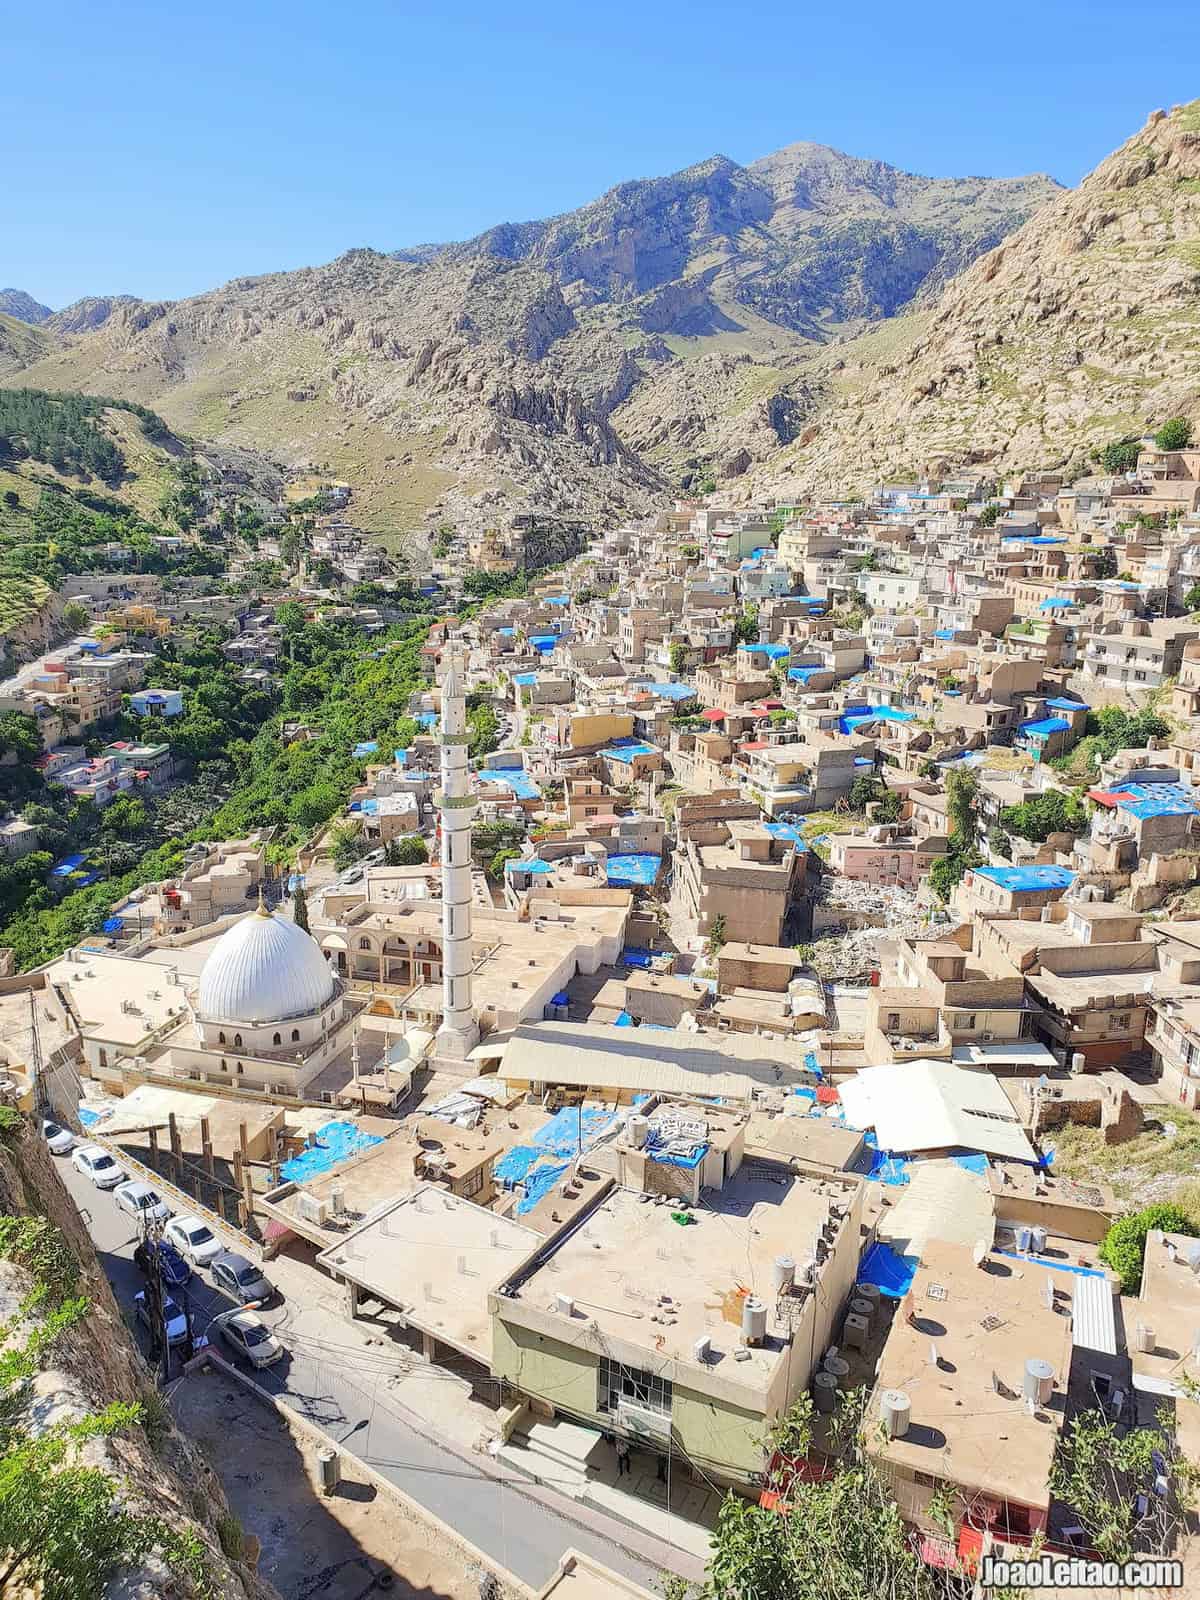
(1080, 327)
(16, 303)
(449, 381)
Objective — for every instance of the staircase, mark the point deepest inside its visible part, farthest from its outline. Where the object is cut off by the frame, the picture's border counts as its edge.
(557, 1453)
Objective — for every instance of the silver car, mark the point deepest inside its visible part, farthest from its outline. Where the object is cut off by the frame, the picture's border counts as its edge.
(241, 1279)
(142, 1202)
(247, 1335)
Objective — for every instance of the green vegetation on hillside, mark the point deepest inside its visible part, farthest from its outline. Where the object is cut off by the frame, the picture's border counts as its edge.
(61, 430)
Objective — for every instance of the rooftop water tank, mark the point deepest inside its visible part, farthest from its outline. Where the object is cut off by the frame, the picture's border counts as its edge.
(895, 1412)
(754, 1320)
(1037, 1384)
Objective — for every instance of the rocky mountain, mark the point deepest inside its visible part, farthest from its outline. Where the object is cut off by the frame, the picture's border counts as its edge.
(16, 303)
(656, 337)
(1081, 327)
(20, 344)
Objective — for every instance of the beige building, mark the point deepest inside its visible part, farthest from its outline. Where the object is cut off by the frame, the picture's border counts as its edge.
(745, 887)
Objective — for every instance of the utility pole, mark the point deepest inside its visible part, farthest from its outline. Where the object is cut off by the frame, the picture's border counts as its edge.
(41, 1098)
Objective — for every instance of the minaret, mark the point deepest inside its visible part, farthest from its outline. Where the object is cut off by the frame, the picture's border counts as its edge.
(459, 1032)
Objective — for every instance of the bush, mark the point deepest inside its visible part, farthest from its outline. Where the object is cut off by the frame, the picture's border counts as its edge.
(1176, 434)
(1120, 456)
(1124, 1246)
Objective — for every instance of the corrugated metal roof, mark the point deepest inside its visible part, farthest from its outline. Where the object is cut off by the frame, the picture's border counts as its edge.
(1093, 1320)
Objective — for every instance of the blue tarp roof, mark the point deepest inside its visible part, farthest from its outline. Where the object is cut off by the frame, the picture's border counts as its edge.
(891, 1274)
(775, 651)
(66, 866)
(525, 678)
(791, 831)
(111, 925)
(670, 691)
(336, 1141)
(514, 778)
(803, 674)
(1027, 878)
(366, 747)
(943, 633)
(638, 869)
(1156, 800)
(627, 750)
(1059, 704)
(534, 864)
(1056, 603)
(1046, 725)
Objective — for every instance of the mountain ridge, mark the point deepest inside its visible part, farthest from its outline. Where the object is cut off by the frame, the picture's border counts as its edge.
(588, 362)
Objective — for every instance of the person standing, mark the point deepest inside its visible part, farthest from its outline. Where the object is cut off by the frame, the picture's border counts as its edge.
(622, 1457)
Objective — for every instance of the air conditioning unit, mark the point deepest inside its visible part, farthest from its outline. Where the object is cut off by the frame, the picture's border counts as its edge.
(311, 1209)
(987, 1037)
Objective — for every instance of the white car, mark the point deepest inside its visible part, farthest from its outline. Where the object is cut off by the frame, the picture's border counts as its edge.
(173, 1318)
(142, 1202)
(99, 1166)
(194, 1239)
(61, 1140)
(247, 1335)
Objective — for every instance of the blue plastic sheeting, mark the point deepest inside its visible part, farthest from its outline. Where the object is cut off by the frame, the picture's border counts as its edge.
(1057, 603)
(811, 1064)
(634, 956)
(1027, 878)
(89, 1119)
(791, 831)
(656, 1149)
(775, 651)
(336, 1141)
(534, 864)
(1067, 705)
(803, 1093)
(629, 752)
(1059, 1266)
(556, 599)
(514, 778)
(1046, 725)
(857, 716)
(803, 674)
(366, 747)
(883, 1167)
(400, 757)
(1156, 800)
(111, 925)
(623, 1020)
(670, 691)
(562, 998)
(561, 1134)
(943, 633)
(538, 1165)
(891, 1274)
(633, 870)
(544, 642)
(525, 678)
(66, 866)
(539, 1184)
(507, 633)
(427, 719)
(972, 1163)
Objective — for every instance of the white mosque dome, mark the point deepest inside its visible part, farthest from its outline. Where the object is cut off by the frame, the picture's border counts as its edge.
(264, 969)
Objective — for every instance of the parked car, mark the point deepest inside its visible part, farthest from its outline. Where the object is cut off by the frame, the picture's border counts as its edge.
(239, 1278)
(61, 1140)
(142, 1202)
(171, 1266)
(99, 1166)
(247, 1335)
(194, 1239)
(173, 1317)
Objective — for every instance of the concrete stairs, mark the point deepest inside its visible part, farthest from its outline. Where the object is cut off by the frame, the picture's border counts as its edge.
(557, 1453)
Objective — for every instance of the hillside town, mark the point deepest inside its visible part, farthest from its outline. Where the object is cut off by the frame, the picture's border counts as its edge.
(761, 967)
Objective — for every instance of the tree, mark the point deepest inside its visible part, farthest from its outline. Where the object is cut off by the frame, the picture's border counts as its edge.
(75, 616)
(888, 807)
(1191, 599)
(300, 908)
(1124, 1246)
(483, 728)
(999, 843)
(12, 499)
(497, 863)
(1120, 456)
(1042, 814)
(862, 792)
(989, 515)
(410, 851)
(1175, 434)
(745, 629)
(677, 657)
(962, 790)
(716, 936)
(346, 846)
(1107, 1475)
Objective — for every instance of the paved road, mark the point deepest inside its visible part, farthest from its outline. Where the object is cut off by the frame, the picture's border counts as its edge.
(334, 1379)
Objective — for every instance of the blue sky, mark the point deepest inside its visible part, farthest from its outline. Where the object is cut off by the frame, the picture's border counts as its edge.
(160, 150)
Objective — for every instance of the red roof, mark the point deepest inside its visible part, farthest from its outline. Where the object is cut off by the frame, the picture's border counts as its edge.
(755, 744)
(713, 715)
(1110, 797)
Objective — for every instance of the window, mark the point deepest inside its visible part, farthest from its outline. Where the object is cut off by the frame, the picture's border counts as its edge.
(237, 1040)
(221, 1038)
(1121, 1023)
(619, 1382)
(893, 1021)
(241, 1069)
(277, 1038)
(364, 944)
(295, 1035)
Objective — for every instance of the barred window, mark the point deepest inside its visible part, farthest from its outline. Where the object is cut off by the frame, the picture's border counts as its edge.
(619, 1382)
